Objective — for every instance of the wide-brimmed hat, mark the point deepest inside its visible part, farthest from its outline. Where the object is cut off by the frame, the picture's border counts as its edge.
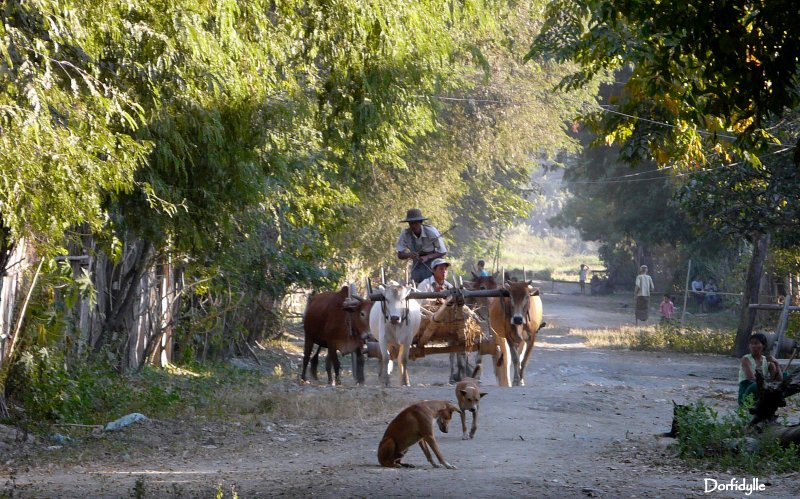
(414, 215)
(439, 261)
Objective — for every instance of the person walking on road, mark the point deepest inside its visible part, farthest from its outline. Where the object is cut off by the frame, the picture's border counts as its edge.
(644, 286)
(582, 277)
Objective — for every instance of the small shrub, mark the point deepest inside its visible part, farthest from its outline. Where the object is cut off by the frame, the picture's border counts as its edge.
(543, 275)
(704, 436)
(139, 488)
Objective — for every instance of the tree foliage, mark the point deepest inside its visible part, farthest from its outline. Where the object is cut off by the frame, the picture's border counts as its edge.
(714, 87)
(67, 140)
(259, 145)
(715, 70)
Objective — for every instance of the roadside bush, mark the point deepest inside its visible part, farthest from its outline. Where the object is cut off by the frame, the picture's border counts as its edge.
(667, 336)
(51, 392)
(722, 442)
(664, 337)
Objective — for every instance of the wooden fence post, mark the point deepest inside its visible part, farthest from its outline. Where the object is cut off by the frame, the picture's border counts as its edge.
(686, 292)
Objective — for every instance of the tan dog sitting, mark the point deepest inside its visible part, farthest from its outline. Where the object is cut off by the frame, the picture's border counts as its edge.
(468, 397)
(415, 424)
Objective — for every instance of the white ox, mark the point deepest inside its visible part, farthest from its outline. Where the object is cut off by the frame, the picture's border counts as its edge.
(395, 320)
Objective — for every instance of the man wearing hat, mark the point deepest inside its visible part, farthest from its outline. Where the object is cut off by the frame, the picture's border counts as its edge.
(459, 362)
(437, 281)
(421, 242)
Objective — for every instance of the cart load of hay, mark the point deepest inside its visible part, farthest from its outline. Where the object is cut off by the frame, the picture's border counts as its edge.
(446, 327)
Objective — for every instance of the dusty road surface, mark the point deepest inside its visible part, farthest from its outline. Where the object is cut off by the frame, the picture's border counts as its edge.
(584, 426)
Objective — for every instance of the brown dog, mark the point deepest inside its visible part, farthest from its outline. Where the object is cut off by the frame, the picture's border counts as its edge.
(415, 424)
(468, 397)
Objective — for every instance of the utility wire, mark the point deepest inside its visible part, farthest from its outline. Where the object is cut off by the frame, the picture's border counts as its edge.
(622, 179)
(601, 107)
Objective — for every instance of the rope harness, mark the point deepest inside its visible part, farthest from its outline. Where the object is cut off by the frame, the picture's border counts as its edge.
(350, 324)
(509, 312)
(403, 312)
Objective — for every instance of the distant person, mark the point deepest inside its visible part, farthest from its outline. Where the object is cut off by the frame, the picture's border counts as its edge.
(582, 277)
(712, 299)
(644, 286)
(481, 266)
(697, 291)
(667, 308)
(421, 242)
(594, 284)
(753, 361)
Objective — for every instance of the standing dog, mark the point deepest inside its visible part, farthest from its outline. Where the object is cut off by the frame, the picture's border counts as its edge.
(468, 397)
(415, 424)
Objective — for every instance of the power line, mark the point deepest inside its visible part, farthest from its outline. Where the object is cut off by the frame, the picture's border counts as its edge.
(601, 107)
(604, 107)
(622, 179)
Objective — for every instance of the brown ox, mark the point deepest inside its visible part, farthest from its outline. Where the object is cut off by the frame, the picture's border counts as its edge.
(329, 325)
(515, 320)
(480, 304)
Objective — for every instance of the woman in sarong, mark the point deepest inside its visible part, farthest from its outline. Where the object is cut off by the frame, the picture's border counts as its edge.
(644, 286)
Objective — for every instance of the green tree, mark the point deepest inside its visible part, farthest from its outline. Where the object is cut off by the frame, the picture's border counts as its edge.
(711, 83)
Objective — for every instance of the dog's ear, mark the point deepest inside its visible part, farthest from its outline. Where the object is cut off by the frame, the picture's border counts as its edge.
(463, 392)
(483, 394)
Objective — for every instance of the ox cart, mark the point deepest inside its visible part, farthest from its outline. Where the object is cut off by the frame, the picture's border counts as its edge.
(446, 327)
(405, 333)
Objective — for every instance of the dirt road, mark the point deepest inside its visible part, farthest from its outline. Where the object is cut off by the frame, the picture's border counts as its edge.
(584, 426)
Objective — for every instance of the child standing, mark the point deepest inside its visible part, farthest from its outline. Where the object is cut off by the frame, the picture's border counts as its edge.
(667, 308)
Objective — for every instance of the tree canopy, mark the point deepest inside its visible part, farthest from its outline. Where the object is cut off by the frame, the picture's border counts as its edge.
(265, 144)
(713, 91)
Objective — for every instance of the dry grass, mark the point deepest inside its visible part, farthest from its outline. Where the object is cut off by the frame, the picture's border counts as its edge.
(335, 404)
(284, 345)
(286, 401)
(616, 338)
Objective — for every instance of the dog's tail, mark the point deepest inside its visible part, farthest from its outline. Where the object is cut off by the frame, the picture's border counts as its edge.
(476, 372)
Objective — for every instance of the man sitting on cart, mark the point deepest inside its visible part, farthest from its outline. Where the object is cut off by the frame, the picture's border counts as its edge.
(421, 242)
(438, 280)
(459, 361)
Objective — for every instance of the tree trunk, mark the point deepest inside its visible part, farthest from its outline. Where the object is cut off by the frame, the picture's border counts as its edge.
(164, 314)
(750, 294)
(127, 285)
